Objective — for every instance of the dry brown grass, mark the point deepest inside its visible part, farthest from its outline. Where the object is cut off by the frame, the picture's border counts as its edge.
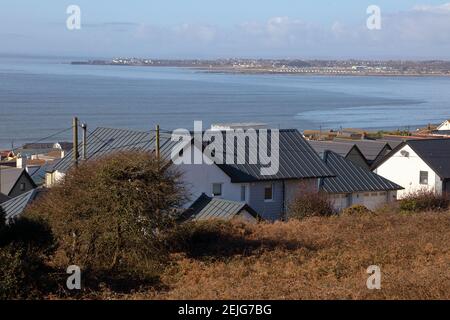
(317, 258)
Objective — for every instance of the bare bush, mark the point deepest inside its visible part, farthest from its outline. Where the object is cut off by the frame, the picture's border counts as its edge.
(310, 203)
(424, 200)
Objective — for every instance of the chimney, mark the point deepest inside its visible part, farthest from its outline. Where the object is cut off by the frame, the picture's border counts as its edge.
(21, 163)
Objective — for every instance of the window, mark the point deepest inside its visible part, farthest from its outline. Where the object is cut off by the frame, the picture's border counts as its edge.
(22, 186)
(268, 192)
(217, 189)
(423, 177)
(243, 193)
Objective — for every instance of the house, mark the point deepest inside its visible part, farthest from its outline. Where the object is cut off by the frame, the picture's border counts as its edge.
(104, 141)
(444, 126)
(299, 168)
(38, 173)
(418, 165)
(346, 150)
(6, 154)
(354, 184)
(208, 208)
(268, 195)
(15, 181)
(63, 145)
(14, 207)
(44, 150)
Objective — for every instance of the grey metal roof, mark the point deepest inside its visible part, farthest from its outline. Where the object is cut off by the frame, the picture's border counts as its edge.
(371, 149)
(352, 178)
(340, 148)
(9, 177)
(103, 141)
(37, 173)
(3, 197)
(14, 207)
(435, 152)
(207, 208)
(393, 143)
(297, 160)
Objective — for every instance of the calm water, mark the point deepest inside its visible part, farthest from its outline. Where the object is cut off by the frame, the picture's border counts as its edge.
(39, 96)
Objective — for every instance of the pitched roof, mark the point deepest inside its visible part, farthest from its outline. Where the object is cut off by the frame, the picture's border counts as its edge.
(9, 177)
(435, 153)
(15, 206)
(352, 178)
(207, 208)
(340, 148)
(103, 141)
(3, 197)
(38, 145)
(37, 173)
(297, 160)
(371, 149)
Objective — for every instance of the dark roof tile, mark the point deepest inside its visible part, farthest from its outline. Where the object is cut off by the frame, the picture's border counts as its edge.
(352, 178)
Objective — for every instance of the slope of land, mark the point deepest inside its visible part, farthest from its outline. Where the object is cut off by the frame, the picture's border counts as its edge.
(316, 258)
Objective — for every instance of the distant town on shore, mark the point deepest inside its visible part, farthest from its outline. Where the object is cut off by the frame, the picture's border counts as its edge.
(292, 66)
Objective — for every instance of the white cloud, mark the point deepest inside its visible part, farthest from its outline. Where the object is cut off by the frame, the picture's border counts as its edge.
(422, 31)
(444, 8)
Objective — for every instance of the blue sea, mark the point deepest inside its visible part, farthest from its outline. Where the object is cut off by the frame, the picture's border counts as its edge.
(40, 95)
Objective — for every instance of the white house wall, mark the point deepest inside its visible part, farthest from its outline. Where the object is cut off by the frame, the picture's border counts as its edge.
(444, 126)
(405, 171)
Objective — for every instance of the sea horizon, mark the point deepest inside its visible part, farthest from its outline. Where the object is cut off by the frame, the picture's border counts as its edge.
(51, 91)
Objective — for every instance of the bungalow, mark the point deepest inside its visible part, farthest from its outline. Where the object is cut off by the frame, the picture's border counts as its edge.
(354, 184)
(15, 181)
(299, 169)
(266, 194)
(346, 150)
(418, 165)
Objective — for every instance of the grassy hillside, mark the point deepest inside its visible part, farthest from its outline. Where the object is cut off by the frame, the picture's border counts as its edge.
(316, 258)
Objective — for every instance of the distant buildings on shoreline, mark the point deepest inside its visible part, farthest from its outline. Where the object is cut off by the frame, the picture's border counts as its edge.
(294, 66)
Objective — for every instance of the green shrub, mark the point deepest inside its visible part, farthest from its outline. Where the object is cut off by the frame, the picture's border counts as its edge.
(424, 200)
(309, 204)
(110, 216)
(356, 209)
(11, 273)
(24, 247)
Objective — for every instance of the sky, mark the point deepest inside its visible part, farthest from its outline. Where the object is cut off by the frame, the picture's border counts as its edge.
(303, 29)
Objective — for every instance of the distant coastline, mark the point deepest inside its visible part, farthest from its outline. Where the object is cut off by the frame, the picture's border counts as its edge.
(293, 67)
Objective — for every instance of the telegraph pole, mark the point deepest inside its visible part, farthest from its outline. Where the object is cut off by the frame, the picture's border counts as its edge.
(84, 137)
(157, 142)
(75, 140)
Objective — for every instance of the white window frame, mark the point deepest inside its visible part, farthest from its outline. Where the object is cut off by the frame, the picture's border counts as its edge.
(427, 178)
